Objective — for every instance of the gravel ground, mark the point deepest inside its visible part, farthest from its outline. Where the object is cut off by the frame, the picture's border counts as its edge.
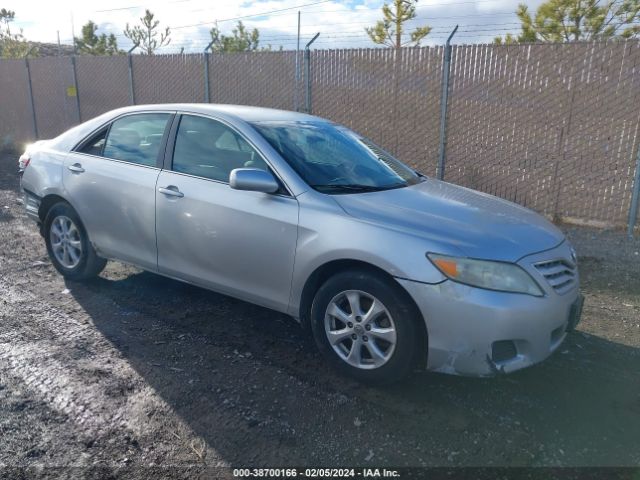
(135, 370)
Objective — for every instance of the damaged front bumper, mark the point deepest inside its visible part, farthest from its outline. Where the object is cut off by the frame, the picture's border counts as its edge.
(480, 332)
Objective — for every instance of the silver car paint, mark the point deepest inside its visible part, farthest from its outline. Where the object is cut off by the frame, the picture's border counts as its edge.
(263, 248)
(236, 242)
(253, 179)
(116, 202)
(44, 177)
(479, 225)
(463, 321)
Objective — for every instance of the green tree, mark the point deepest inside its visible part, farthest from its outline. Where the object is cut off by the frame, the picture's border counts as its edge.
(240, 40)
(574, 20)
(146, 35)
(390, 29)
(508, 39)
(92, 44)
(12, 45)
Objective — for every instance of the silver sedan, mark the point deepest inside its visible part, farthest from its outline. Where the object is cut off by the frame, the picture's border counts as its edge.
(388, 268)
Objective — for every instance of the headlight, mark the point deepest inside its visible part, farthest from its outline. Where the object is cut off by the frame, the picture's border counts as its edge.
(506, 277)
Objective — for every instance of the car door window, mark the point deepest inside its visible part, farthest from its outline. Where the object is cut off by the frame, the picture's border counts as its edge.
(95, 144)
(207, 148)
(136, 138)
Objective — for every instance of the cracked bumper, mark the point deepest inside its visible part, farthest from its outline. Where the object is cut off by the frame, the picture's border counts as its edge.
(464, 322)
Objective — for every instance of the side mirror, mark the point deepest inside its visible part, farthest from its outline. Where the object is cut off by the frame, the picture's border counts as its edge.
(253, 180)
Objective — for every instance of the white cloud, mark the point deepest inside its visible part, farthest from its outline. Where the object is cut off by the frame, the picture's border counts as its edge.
(341, 23)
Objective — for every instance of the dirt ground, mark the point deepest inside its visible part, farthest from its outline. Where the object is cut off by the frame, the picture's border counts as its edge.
(135, 370)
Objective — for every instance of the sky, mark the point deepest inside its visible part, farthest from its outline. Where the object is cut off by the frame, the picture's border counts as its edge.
(341, 23)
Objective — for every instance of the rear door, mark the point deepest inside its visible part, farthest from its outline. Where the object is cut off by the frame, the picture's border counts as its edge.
(237, 242)
(111, 182)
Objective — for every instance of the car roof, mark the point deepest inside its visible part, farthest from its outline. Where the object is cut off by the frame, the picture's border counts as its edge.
(234, 113)
(241, 112)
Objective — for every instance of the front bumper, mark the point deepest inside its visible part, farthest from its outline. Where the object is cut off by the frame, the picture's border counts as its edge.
(480, 332)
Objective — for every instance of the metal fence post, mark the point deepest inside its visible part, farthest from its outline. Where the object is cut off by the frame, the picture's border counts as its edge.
(75, 85)
(307, 73)
(635, 198)
(296, 89)
(132, 94)
(206, 71)
(34, 120)
(446, 68)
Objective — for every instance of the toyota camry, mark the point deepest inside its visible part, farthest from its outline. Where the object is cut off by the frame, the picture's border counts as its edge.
(388, 268)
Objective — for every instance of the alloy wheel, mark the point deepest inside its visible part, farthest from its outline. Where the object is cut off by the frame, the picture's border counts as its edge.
(66, 243)
(360, 329)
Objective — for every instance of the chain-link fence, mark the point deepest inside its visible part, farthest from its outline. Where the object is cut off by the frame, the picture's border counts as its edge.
(555, 127)
(15, 103)
(103, 84)
(168, 78)
(552, 127)
(390, 96)
(54, 95)
(264, 80)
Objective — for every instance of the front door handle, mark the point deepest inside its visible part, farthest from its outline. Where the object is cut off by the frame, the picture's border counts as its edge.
(171, 191)
(76, 167)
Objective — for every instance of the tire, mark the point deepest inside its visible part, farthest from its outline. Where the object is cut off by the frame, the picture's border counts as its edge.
(62, 230)
(384, 356)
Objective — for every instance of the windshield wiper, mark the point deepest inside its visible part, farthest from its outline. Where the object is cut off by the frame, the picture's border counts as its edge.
(356, 187)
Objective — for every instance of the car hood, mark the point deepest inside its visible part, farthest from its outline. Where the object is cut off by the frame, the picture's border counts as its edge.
(477, 224)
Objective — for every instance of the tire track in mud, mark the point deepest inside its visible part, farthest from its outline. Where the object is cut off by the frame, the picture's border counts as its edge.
(39, 362)
(40, 359)
(71, 368)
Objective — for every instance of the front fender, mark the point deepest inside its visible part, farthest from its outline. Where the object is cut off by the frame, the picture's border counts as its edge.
(327, 234)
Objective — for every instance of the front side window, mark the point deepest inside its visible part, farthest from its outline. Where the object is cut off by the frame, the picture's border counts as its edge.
(207, 148)
(136, 138)
(333, 159)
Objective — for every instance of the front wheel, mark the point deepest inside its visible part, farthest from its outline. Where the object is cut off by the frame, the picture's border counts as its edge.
(68, 245)
(365, 325)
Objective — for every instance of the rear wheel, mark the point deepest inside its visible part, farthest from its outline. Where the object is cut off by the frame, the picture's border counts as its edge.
(68, 245)
(366, 327)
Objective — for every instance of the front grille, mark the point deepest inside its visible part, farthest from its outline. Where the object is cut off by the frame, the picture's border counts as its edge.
(560, 274)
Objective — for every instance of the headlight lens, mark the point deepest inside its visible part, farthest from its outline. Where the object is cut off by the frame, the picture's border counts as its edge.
(506, 277)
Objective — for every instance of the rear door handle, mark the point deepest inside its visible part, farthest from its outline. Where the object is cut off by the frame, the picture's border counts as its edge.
(76, 167)
(171, 191)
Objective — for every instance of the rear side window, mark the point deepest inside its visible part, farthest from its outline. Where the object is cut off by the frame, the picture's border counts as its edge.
(208, 148)
(95, 144)
(136, 138)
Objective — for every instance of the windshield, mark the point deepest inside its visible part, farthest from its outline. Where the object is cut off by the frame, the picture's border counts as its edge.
(333, 159)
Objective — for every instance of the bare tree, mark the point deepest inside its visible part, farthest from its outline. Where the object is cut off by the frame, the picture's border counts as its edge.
(390, 29)
(146, 35)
